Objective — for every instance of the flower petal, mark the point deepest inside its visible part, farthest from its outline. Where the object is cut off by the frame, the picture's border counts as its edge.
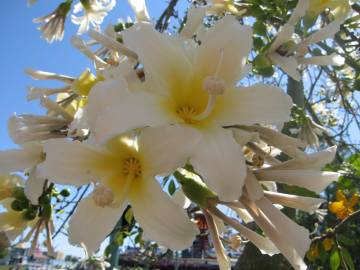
(68, 162)
(315, 160)
(221, 256)
(166, 148)
(194, 20)
(165, 63)
(20, 159)
(306, 204)
(220, 162)
(298, 12)
(258, 103)
(287, 144)
(283, 36)
(104, 95)
(275, 224)
(91, 224)
(34, 187)
(310, 179)
(136, 110)
(180, 199)
(139, 7)
(232, 39)
(287, 63)
(324, 60)
(253, 188)
(164, 222)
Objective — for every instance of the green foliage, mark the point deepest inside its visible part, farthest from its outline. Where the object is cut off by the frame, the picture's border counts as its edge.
(335, 259)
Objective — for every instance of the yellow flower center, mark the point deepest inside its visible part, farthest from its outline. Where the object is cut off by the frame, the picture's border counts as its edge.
(187, 113)
(131, 167)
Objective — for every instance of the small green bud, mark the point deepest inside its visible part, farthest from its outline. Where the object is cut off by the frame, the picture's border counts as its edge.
(17, 205)
(196, 190)
(65, 193)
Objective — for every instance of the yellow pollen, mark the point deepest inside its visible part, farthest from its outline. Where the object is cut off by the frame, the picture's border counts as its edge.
(187, 113)
(132, 166)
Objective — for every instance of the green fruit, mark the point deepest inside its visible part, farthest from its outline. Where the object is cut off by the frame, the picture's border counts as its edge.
(65, 193)
(17, 205)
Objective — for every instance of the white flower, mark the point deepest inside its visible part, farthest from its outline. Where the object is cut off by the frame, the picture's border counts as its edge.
(94, 13)
(124, 171)
(197, 91)
(53, 28)
(288, 53)
(26, 128)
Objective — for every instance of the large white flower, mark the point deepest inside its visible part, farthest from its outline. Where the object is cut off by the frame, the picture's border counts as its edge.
(195, 85)
(94, 13)
(124, 172)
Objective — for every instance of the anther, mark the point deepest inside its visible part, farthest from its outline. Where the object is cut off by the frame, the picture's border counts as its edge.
(103, 196)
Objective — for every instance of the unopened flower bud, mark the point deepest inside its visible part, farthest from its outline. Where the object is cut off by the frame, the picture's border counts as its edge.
(103, 196)
(214, 85)
(195, 189)
(235, 241)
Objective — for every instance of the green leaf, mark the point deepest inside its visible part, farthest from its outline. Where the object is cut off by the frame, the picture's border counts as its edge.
(171, 188)
(258, 43)
(345, 240)
(335, 259)
(129, 216)
(260, 28)
(347, 258)
(309, 20)
(119, 238)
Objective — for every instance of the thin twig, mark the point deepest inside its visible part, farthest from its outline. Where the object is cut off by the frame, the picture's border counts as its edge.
(71, 212)
(338, 227)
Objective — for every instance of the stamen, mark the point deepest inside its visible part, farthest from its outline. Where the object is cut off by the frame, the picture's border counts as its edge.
(103, 196)
(187, 113)
(132, 166)
(54, 107)
(208, 109)
(214, 86)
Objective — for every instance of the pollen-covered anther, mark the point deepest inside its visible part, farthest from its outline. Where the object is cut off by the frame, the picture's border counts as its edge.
(132, 166)
(103, 196)
(213, 85)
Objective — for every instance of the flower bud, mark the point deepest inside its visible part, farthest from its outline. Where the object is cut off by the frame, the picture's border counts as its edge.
(195, 189)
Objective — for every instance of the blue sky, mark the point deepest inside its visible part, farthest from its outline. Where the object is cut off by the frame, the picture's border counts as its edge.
(22, 47)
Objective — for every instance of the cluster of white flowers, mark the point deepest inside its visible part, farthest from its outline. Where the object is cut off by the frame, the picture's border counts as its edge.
(159, 102)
